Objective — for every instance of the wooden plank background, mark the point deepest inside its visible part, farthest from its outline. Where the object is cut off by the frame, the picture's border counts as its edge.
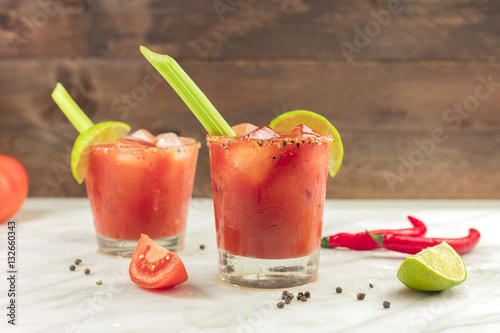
(411, 64)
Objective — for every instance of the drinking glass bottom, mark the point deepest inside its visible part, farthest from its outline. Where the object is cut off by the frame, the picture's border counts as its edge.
(126, 247)
(268, 273)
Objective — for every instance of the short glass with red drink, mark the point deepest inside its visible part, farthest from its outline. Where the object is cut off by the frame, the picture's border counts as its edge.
(269, 191)
(139, 187)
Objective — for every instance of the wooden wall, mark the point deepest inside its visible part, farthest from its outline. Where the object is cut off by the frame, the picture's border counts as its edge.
(405, 83)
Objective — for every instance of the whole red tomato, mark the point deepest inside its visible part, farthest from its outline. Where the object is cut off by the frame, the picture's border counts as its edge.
(13, 186)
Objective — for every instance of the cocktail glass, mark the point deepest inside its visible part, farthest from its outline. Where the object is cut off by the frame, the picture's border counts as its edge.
(268, 198)
(268, 189)
(138, 184)
(138, 189)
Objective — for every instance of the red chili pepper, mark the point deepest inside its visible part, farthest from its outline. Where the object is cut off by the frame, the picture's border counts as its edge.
(413, 245)
(363, 241)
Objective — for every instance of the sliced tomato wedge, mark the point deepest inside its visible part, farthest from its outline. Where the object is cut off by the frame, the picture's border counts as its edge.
(154, 267)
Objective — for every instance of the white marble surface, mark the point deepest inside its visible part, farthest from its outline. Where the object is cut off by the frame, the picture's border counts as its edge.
(52, 233)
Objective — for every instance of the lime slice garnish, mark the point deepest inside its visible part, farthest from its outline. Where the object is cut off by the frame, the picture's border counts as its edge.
(108, 131)
(286, 122)
(436, 268)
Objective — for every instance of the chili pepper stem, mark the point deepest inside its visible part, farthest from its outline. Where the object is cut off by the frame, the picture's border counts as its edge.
(377, 238)
(325, 243)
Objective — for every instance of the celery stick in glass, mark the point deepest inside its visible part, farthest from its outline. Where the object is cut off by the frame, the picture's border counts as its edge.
(70, 109)
(90, 134)
(194, 98)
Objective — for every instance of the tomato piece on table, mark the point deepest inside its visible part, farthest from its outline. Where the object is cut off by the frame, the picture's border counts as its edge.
(154, 267)
(13, 186)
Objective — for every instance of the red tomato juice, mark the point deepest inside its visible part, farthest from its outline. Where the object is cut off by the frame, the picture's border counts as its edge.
(136, 188)
(269, 194)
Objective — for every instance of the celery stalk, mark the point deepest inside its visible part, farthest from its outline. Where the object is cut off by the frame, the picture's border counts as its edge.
(70, 109)
(194, 98)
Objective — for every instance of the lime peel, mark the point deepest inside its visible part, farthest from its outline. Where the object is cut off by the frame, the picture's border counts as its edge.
(436, 268)
(286, 122)
(104, 132)
(185, 87)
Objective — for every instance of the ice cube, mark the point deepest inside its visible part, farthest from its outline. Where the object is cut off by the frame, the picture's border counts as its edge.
(133, 141)
(243, 129)
(251, 161)
(303, 131)
(166, 140)
(145, 135)
(263, 132)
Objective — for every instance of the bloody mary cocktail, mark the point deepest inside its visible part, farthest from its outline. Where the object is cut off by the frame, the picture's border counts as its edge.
(269, 191)
(136, 187)
(268, 188)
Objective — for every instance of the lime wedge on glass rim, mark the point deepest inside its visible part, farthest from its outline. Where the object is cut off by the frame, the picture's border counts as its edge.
(104, 132)
(90, 134)
(286, 122)
(436, 268)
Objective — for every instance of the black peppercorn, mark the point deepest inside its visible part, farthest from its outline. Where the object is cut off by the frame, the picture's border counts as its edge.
(72, 267)
(78, 261)
(303, 298)
(307, 294)
(202, 247)
(280, 305)
(87, 271)
(338, 290)
(286, 292)
(288, 300)
(361, 296)
(386, 304)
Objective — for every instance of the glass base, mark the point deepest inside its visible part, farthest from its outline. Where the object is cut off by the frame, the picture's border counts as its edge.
(126, 247)
(268, 273)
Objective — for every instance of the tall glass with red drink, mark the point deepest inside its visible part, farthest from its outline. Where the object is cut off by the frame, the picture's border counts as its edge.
(137, 187)
(269, 191)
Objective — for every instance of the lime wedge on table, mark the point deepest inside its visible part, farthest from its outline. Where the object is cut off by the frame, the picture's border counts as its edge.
(108, 131)
(286, 122)
(436, 268)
